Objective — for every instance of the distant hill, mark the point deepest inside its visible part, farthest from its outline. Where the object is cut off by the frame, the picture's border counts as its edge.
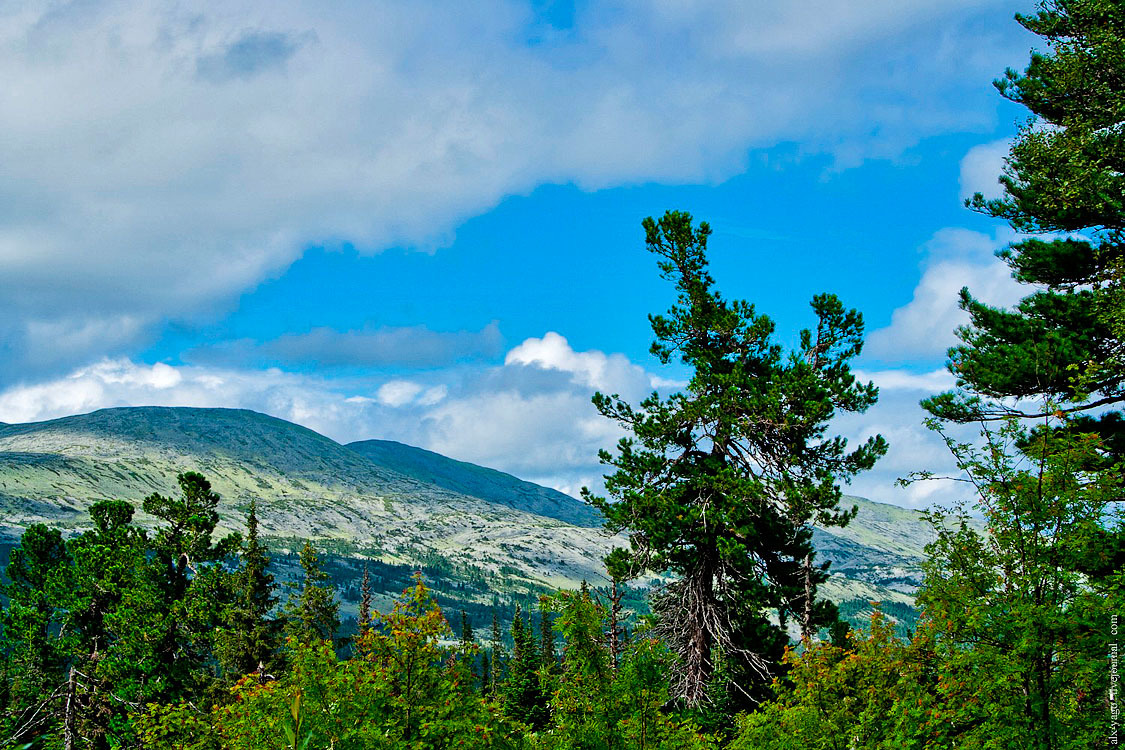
(477, 481)
(401, 505)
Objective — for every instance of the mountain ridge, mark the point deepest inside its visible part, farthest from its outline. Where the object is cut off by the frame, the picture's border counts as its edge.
(376, 498)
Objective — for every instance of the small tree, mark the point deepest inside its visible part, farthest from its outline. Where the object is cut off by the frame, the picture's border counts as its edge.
(248, 641)
(312, 612)
(719, 484)
(1019, 630)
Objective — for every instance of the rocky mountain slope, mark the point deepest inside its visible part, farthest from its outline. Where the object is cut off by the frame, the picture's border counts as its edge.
(378, 499)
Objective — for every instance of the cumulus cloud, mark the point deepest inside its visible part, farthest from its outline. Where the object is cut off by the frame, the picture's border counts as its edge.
(594, 369)
(159, 159)
(955, 258)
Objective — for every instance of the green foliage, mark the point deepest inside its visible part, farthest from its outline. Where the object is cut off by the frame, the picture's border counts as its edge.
(1020, 630)
(595, 708)
(522, 696)
(719, 484)
(248, 638)
(836, 695)
(1063, 175)
(178, 726)
(402, 691)
(312, 612)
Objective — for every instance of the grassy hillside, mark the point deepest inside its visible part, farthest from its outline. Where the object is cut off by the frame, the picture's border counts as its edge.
(477, 481)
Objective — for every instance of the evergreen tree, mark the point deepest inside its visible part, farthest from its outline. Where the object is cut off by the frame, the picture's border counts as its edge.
(109, 626)
(467, 637)
(719, 484)
(548, 661)
(36, 660)
(496, 673)
(485, 675)
(522, 697)
(312, 612)
(365, 600)
(1018, 633)
(1061, 344)
(617, 566)
(248, 640)
(193, 590)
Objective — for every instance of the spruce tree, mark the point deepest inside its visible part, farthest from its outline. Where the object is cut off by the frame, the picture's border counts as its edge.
(312, 612)
(548, 661)
(720, 483)
(522, 697)
(496, 673)
(248, 642)
(365, 600)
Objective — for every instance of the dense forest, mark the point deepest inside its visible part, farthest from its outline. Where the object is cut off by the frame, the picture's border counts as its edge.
(170, 636)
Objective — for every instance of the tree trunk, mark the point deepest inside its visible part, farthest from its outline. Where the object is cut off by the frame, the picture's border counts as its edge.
(69, 717)
(806, 618)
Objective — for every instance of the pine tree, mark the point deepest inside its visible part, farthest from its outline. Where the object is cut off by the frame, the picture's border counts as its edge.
(1061, 350)
(617, 566)
(1062, 344)
(719, 484)
(193, 588)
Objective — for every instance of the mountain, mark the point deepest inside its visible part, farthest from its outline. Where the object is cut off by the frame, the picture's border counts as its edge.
(477, 481)
(307, 486)
(378, 499)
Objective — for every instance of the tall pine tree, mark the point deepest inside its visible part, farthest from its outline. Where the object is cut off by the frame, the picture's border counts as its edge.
(719, 484)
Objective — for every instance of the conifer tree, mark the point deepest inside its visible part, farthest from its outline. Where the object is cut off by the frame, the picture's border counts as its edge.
(719, 484)
(496, 673)
(617, 566)
(365, 600)
(248, 641)
(548, 661)
(193, 589)
(1060, 352)
(312, 612)
(36, 660)
(522, 697)
(1064, 185)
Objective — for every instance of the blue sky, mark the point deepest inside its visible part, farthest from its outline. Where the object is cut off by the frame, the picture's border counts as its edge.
(421, 221)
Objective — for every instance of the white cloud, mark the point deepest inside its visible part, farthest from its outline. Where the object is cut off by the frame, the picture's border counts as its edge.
(160, 159)
(903, 380)
(594, 369)
(397, 392)
(925, 327)
(981, 168)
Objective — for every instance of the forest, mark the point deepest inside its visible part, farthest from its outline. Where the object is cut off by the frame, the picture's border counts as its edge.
(171, 636)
